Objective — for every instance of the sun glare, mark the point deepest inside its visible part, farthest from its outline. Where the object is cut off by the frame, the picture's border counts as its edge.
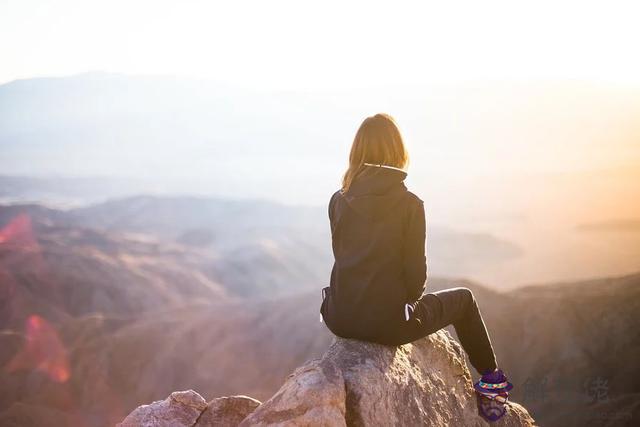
(331, 44)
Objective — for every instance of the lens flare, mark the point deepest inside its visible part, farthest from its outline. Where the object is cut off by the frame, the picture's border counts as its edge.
(42, 351)
(18, 233)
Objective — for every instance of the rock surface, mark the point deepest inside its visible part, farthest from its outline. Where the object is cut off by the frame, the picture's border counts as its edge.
(227, 411)
(182, 408)
(357, 383)
(189, 409)
(354, 383)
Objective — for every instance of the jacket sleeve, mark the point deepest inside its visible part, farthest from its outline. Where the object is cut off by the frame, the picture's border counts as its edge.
(415, 260)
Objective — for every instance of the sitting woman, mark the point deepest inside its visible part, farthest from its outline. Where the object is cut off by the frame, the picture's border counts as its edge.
(377, 285)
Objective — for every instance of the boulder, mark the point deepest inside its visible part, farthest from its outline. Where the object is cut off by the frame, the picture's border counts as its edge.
(189, 409)
(355, 383)
(358, 383)
(180, 409)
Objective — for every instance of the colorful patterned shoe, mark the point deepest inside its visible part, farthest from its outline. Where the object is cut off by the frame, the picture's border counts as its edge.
(493, 382)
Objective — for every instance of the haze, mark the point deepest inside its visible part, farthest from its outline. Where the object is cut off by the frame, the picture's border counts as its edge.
(522, 120)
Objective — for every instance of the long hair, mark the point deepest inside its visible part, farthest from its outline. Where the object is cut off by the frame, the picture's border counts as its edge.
(377, 141)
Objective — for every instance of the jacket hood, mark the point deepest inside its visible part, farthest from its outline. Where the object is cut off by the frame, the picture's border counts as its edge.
(376, 191)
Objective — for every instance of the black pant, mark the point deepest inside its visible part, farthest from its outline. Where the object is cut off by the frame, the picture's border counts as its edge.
(457, 307)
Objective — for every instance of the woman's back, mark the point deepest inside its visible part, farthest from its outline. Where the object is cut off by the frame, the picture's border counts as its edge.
(378, 235)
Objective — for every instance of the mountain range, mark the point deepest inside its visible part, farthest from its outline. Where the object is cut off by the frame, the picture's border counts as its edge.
(110, 306)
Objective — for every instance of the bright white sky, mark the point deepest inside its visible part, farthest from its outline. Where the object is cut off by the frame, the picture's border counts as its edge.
(325, 44)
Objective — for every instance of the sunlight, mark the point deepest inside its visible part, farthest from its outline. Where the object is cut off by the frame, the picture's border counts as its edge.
(332, 44)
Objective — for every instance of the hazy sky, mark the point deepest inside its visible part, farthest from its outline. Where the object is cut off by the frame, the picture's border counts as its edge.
(324, 44)
(509, 86)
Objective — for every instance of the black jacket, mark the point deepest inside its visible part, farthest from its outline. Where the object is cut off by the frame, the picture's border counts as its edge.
(378, 237)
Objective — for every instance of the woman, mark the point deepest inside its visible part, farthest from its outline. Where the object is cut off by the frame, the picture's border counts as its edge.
(377, 284)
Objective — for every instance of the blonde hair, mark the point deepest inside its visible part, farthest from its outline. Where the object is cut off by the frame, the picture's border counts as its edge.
(377, 141)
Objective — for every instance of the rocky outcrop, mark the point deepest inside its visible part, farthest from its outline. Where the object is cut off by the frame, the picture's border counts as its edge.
(189, 409)
(354, 383)
(365, 384)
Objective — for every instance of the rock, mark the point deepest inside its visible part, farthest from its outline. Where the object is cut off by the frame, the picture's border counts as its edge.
(354, 383)
(189, 409)
(359, 383)
(181, 408)
(314, 394)
(227, 411)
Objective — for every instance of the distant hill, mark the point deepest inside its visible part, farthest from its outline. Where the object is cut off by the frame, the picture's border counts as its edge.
(61, 273)
(230, 242)
(255, 247)
(64, 192)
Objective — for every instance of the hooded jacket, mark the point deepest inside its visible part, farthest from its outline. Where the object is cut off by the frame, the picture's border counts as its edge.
(378, 237)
